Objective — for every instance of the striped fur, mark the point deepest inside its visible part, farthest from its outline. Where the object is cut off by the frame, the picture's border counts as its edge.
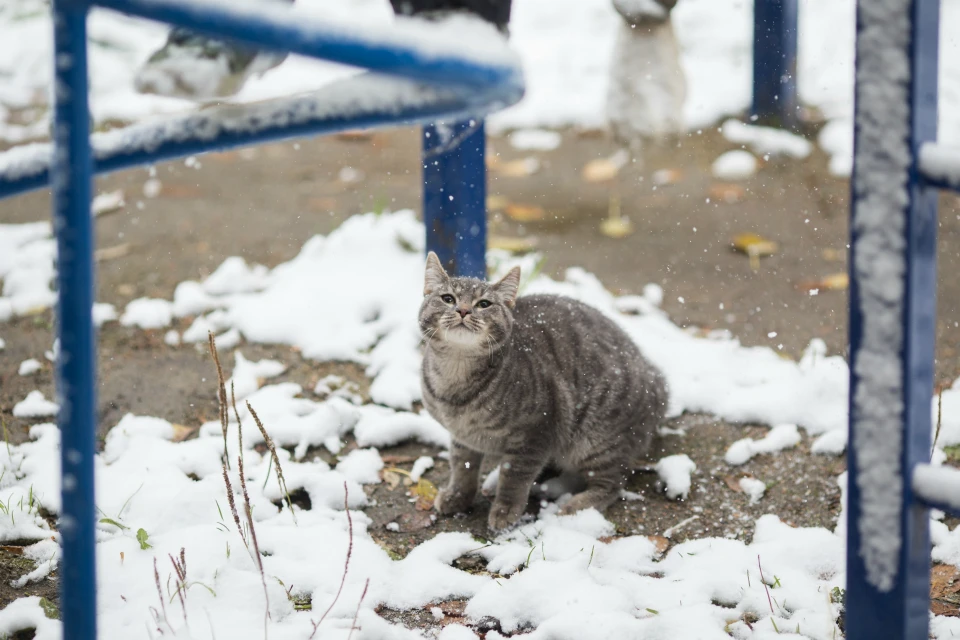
(532, 381)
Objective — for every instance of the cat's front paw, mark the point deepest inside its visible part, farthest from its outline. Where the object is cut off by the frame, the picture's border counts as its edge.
(451, 500)
(503, 516)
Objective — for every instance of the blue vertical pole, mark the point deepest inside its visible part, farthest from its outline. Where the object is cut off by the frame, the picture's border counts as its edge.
(899, 609)
(775, 60)
(455, 196)
(76, 367)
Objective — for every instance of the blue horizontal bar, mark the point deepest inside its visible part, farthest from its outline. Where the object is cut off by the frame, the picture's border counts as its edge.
(340, 106)
(465, 52)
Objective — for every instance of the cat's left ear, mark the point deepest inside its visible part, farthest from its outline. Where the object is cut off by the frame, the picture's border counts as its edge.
(509, 285)
(435, 276)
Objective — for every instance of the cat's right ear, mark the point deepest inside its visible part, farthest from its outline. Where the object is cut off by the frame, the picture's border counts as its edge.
(435, 276)
(509, 285)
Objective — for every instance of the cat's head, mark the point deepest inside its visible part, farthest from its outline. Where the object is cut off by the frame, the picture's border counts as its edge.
(466, 313)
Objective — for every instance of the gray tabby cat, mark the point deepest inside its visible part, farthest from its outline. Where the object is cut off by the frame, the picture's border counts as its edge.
(532, 381)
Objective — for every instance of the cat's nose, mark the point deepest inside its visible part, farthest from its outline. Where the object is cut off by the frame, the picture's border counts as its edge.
(463, 312)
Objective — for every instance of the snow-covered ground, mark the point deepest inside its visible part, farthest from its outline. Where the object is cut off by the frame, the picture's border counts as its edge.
(564, 576)
(566, 48)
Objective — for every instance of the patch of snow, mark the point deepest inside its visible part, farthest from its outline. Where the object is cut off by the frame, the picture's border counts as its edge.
(734, 165)
(35, 406)
(29, 367)
(228, 339)
(107, 202)
(171, 338)
(26, 613)
(54, 353)
(753, 488)
(831, 443)
(103, 313)
(535, 140)
(836, 138)
(420, 466)
(234, 275)
(767, 140)
(147, 313)
(190, 298)
(456, 631)
(362, 466)
(781, 437)
(938, 485)
(941, 163)
(675, 473)
(248, 375)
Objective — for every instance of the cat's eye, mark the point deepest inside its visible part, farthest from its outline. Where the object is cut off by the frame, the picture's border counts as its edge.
(483, 304)
(447, 298)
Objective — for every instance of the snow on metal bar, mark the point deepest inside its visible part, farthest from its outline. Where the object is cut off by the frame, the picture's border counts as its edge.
(459, 50)
(938, 486)
(940, 165)
(361, 101)
(881, 169)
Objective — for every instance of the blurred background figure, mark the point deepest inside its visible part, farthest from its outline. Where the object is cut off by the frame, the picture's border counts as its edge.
(647, 87)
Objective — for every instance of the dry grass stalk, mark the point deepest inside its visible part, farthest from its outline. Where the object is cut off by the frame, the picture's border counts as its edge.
(276, 461)
(221, 395)
(356, 614)
(936, 435)
(233, 504)
(248, 509)
(162, 614)
(346, 565)
(180, 568)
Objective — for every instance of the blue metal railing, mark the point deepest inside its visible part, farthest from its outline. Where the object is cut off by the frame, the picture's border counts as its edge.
(424, 74)
(898, 168)
(775, 61)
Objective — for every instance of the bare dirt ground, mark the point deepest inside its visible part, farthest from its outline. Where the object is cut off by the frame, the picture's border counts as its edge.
(262, 204)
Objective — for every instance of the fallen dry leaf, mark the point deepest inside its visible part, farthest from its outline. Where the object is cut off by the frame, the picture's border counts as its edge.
(110, 253)
(733, 483)
(181, 432)
(605, 169)
(13, 549)
(426, 493)
(945, 590)
(664, 177)
(616, 227)
(513, 245)
(660, 542)
(391, 478)
(833, 282)
(834, 255)
(181, 191)
(524, 212)
(497, 203)
(394, 459)
(322, 204)
(414, 521)
(755, 247)
(729, 193)
(836, 281)
(516, 168)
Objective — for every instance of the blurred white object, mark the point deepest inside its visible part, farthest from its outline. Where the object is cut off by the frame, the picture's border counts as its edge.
(647, 86)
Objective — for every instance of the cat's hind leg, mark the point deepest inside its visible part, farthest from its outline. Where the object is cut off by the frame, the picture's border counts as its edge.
(605, 472)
